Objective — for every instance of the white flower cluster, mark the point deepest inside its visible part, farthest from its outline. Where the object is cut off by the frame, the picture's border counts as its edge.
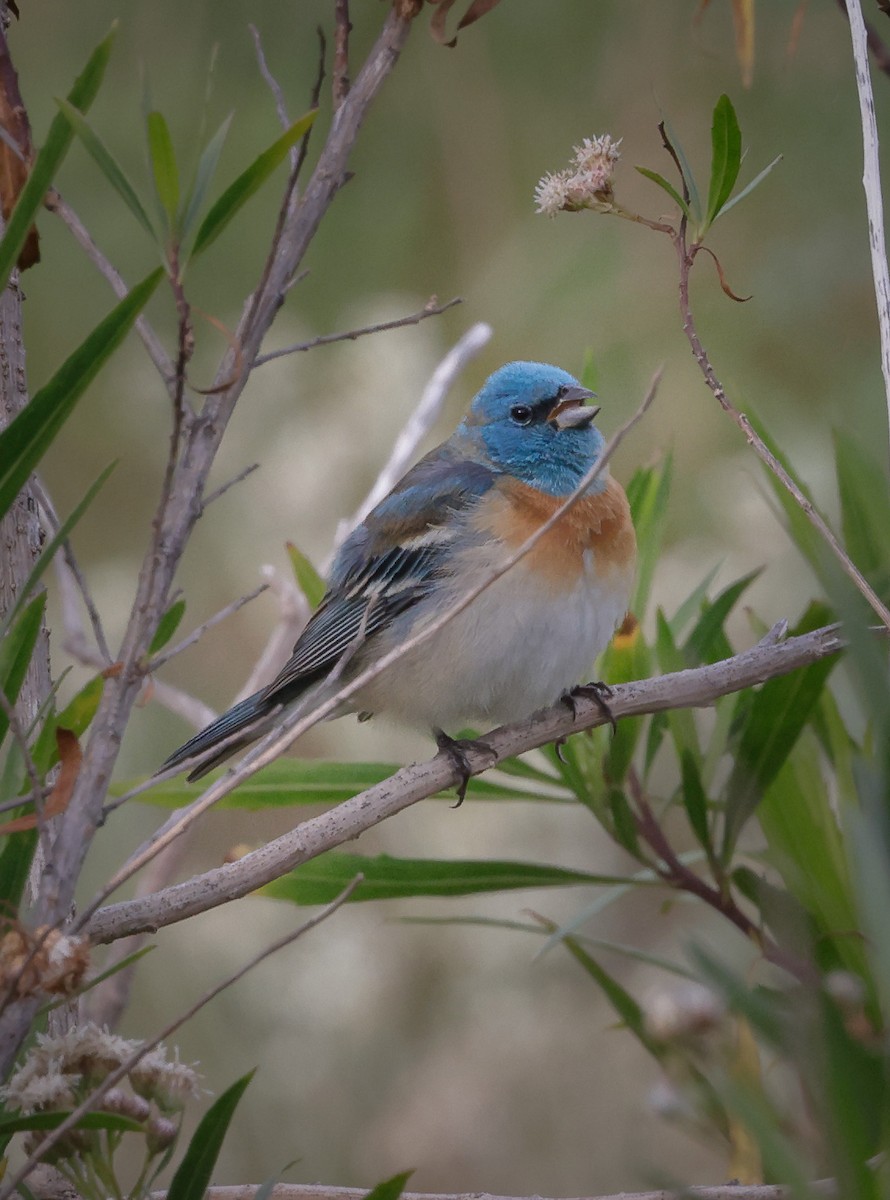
(59, 1071)
(585, 183)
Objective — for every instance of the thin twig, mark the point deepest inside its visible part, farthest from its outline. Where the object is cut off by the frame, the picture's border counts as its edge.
(294, 724)
(685, 257)
(81, 234)
(273, 84)
(91, 1102)
(74, 568)
(420, 422)
(197, 634)
(871, 182)
(342, 30)
(698, 687)
(432, 308)
(221, 491)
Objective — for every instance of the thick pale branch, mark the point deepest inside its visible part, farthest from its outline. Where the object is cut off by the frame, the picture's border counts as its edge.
(317, 1191)
(684, 689)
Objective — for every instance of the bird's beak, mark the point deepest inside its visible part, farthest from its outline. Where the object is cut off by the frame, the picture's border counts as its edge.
(571, 412)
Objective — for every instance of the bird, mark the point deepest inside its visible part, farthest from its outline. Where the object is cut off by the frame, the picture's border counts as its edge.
(525, 444)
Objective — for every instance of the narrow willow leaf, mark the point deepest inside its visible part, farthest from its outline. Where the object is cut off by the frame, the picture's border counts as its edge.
(49, 550)
(726, 155)
(49, 1120)
(15, 654)
(680, 721)
(691, 606)
(865, 508)
(290, 781)
(695, 208)
(749, 187)
(667, 187)
(310, 582)
(707, 643)
(778, 713)
(206, 169)
(49, 159)
(647, 494)
(25, 440)
(163, 165)
(248, 182)
(622, 1001)
(167, 626)
(193, 1174)
(107, 164)
(695, 801)
(390, 1189)
(324, 878)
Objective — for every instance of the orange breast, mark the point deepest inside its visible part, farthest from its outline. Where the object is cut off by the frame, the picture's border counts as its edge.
(599, 523)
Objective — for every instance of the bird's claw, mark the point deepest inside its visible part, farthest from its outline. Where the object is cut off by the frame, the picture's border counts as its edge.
(598, 692)
(456, 749)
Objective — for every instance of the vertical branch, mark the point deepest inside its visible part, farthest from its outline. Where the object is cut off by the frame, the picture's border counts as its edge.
(871, 182)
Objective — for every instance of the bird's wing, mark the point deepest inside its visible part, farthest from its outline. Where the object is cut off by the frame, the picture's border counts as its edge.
(385, 566)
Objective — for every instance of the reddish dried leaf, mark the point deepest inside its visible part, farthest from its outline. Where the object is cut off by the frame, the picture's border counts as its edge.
(70, 757)
(720, 275)
(113, 671)
(14, 165)
(476, 9)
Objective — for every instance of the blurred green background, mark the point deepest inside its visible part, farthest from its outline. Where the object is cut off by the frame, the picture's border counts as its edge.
(382, 1046)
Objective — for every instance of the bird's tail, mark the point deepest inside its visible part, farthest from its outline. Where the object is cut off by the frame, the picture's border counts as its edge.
(246, 718)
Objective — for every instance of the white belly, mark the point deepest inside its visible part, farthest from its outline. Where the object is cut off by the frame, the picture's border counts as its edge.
(515, 649)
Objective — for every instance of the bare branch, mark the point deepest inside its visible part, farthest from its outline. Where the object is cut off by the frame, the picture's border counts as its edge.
(421, 420)
(342, 30)
(221, 491)
(91, 1102)
(197, 634)
(273, 84)
(81, 234)
(871, 182)
(684, 689)
(432, 308)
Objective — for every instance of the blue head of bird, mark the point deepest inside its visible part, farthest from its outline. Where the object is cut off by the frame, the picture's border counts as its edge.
(529, 419)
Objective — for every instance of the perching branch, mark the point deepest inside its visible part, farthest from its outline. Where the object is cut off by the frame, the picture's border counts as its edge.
(684, 689)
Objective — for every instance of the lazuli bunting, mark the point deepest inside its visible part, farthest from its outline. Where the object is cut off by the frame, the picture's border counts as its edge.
(525, 444)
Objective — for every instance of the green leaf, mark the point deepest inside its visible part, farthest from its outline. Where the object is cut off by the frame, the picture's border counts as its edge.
(390, 1189)
(707, 643)
(865, 509)
(749, 187)
(163, 165)
(322, 879)
(107, 164)
(206, 169)
(680, 721)
(167, 626)
(777, 714)
(15, 866)
(667, 187)
(50, 1120)
(647, 494)
(238, 193)
(49, 550)
(24, 441)
(308, 579)
(622, 1001)
(15, 653)
(726, 155)
(193, 1174)
(49, 159)
(290, 781)
(627, 658)
(693, 603)
(695, 801)
(695, 208)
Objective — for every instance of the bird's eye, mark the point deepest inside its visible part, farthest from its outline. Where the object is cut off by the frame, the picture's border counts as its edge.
(521, 414)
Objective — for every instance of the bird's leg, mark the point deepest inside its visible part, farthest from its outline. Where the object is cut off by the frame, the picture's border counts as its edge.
(598, 692)
(456, 749)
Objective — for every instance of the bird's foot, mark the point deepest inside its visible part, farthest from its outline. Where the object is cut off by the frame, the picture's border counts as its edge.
(598, 692)
(456, 749)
